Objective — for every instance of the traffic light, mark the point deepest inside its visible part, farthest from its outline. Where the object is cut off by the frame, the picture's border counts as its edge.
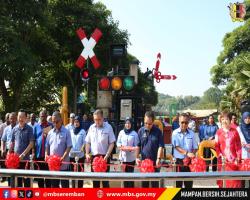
(84, 75)
(116, 83)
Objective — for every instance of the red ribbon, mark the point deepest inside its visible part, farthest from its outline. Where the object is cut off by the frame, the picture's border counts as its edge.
(79, 164)
(244, 165)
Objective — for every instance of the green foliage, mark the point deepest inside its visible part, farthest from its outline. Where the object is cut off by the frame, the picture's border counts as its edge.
(212, 95)
(210, 99)
(146, 89)
(22, 36)
(182, 102)
(247, 3)
(233, 65)
(236, 44)
(39, 47)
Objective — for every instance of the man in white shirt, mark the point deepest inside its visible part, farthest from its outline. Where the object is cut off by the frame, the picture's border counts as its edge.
(99, 142)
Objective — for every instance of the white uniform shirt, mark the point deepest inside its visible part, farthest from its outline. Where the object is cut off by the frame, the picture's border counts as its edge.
(100, 138)
(130, 139)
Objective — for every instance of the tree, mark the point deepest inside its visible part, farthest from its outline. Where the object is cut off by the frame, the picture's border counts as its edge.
(182, 102)
(212, 95)
(39, 48)
(25, 46)
(232, 68)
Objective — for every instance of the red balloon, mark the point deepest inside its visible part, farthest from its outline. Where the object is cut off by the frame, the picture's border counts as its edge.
(197, 165)
(147, 165)
(12, 161)
(99, 164)
(54, 162)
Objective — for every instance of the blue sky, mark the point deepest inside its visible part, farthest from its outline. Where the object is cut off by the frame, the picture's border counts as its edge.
(188, 34)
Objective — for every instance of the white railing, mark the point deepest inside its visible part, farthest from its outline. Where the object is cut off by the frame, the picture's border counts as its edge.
(117, 176)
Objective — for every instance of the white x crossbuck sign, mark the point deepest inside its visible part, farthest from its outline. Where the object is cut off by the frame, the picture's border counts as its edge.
(88, 48)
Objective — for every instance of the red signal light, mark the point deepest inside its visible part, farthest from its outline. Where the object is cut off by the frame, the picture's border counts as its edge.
(104, 83)
(85, 74)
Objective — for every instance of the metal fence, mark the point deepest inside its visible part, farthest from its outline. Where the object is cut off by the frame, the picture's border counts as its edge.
(120, 177)
(161, 177)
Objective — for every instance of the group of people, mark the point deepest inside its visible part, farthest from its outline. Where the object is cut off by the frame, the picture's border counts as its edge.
(43, 138)
(87, 140)
(231, 142)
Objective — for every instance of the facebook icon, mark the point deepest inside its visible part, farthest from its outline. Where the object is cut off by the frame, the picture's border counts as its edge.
(6, 194)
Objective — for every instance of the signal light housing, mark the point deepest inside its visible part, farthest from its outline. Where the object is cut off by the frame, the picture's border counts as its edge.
(84, 75)
(116, 83)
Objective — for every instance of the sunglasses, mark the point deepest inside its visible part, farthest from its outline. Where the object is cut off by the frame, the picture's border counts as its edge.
(184, 122)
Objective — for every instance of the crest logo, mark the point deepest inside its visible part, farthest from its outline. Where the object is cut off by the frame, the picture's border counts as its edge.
(237, 11)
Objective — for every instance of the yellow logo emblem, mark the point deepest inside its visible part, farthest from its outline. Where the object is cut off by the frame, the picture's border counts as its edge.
(237, 11)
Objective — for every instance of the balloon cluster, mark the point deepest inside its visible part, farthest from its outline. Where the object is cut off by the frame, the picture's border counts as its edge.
(245, 165)
(197, 165)
(99, 164)
(147, 165)
(12, 161)
(54, 162)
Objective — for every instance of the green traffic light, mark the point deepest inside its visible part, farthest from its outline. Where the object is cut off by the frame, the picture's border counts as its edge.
(128, 83)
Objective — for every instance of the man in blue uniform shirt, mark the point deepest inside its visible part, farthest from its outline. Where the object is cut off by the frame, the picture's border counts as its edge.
(185, 145)
(58, 142)
(151, 145)
(22, 142)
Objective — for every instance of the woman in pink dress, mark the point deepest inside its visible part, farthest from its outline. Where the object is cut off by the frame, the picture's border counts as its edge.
(228, 145)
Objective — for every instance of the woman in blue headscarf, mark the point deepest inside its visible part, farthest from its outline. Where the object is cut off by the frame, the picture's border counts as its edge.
(78, 135)
(127, 142)
(244, 132)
